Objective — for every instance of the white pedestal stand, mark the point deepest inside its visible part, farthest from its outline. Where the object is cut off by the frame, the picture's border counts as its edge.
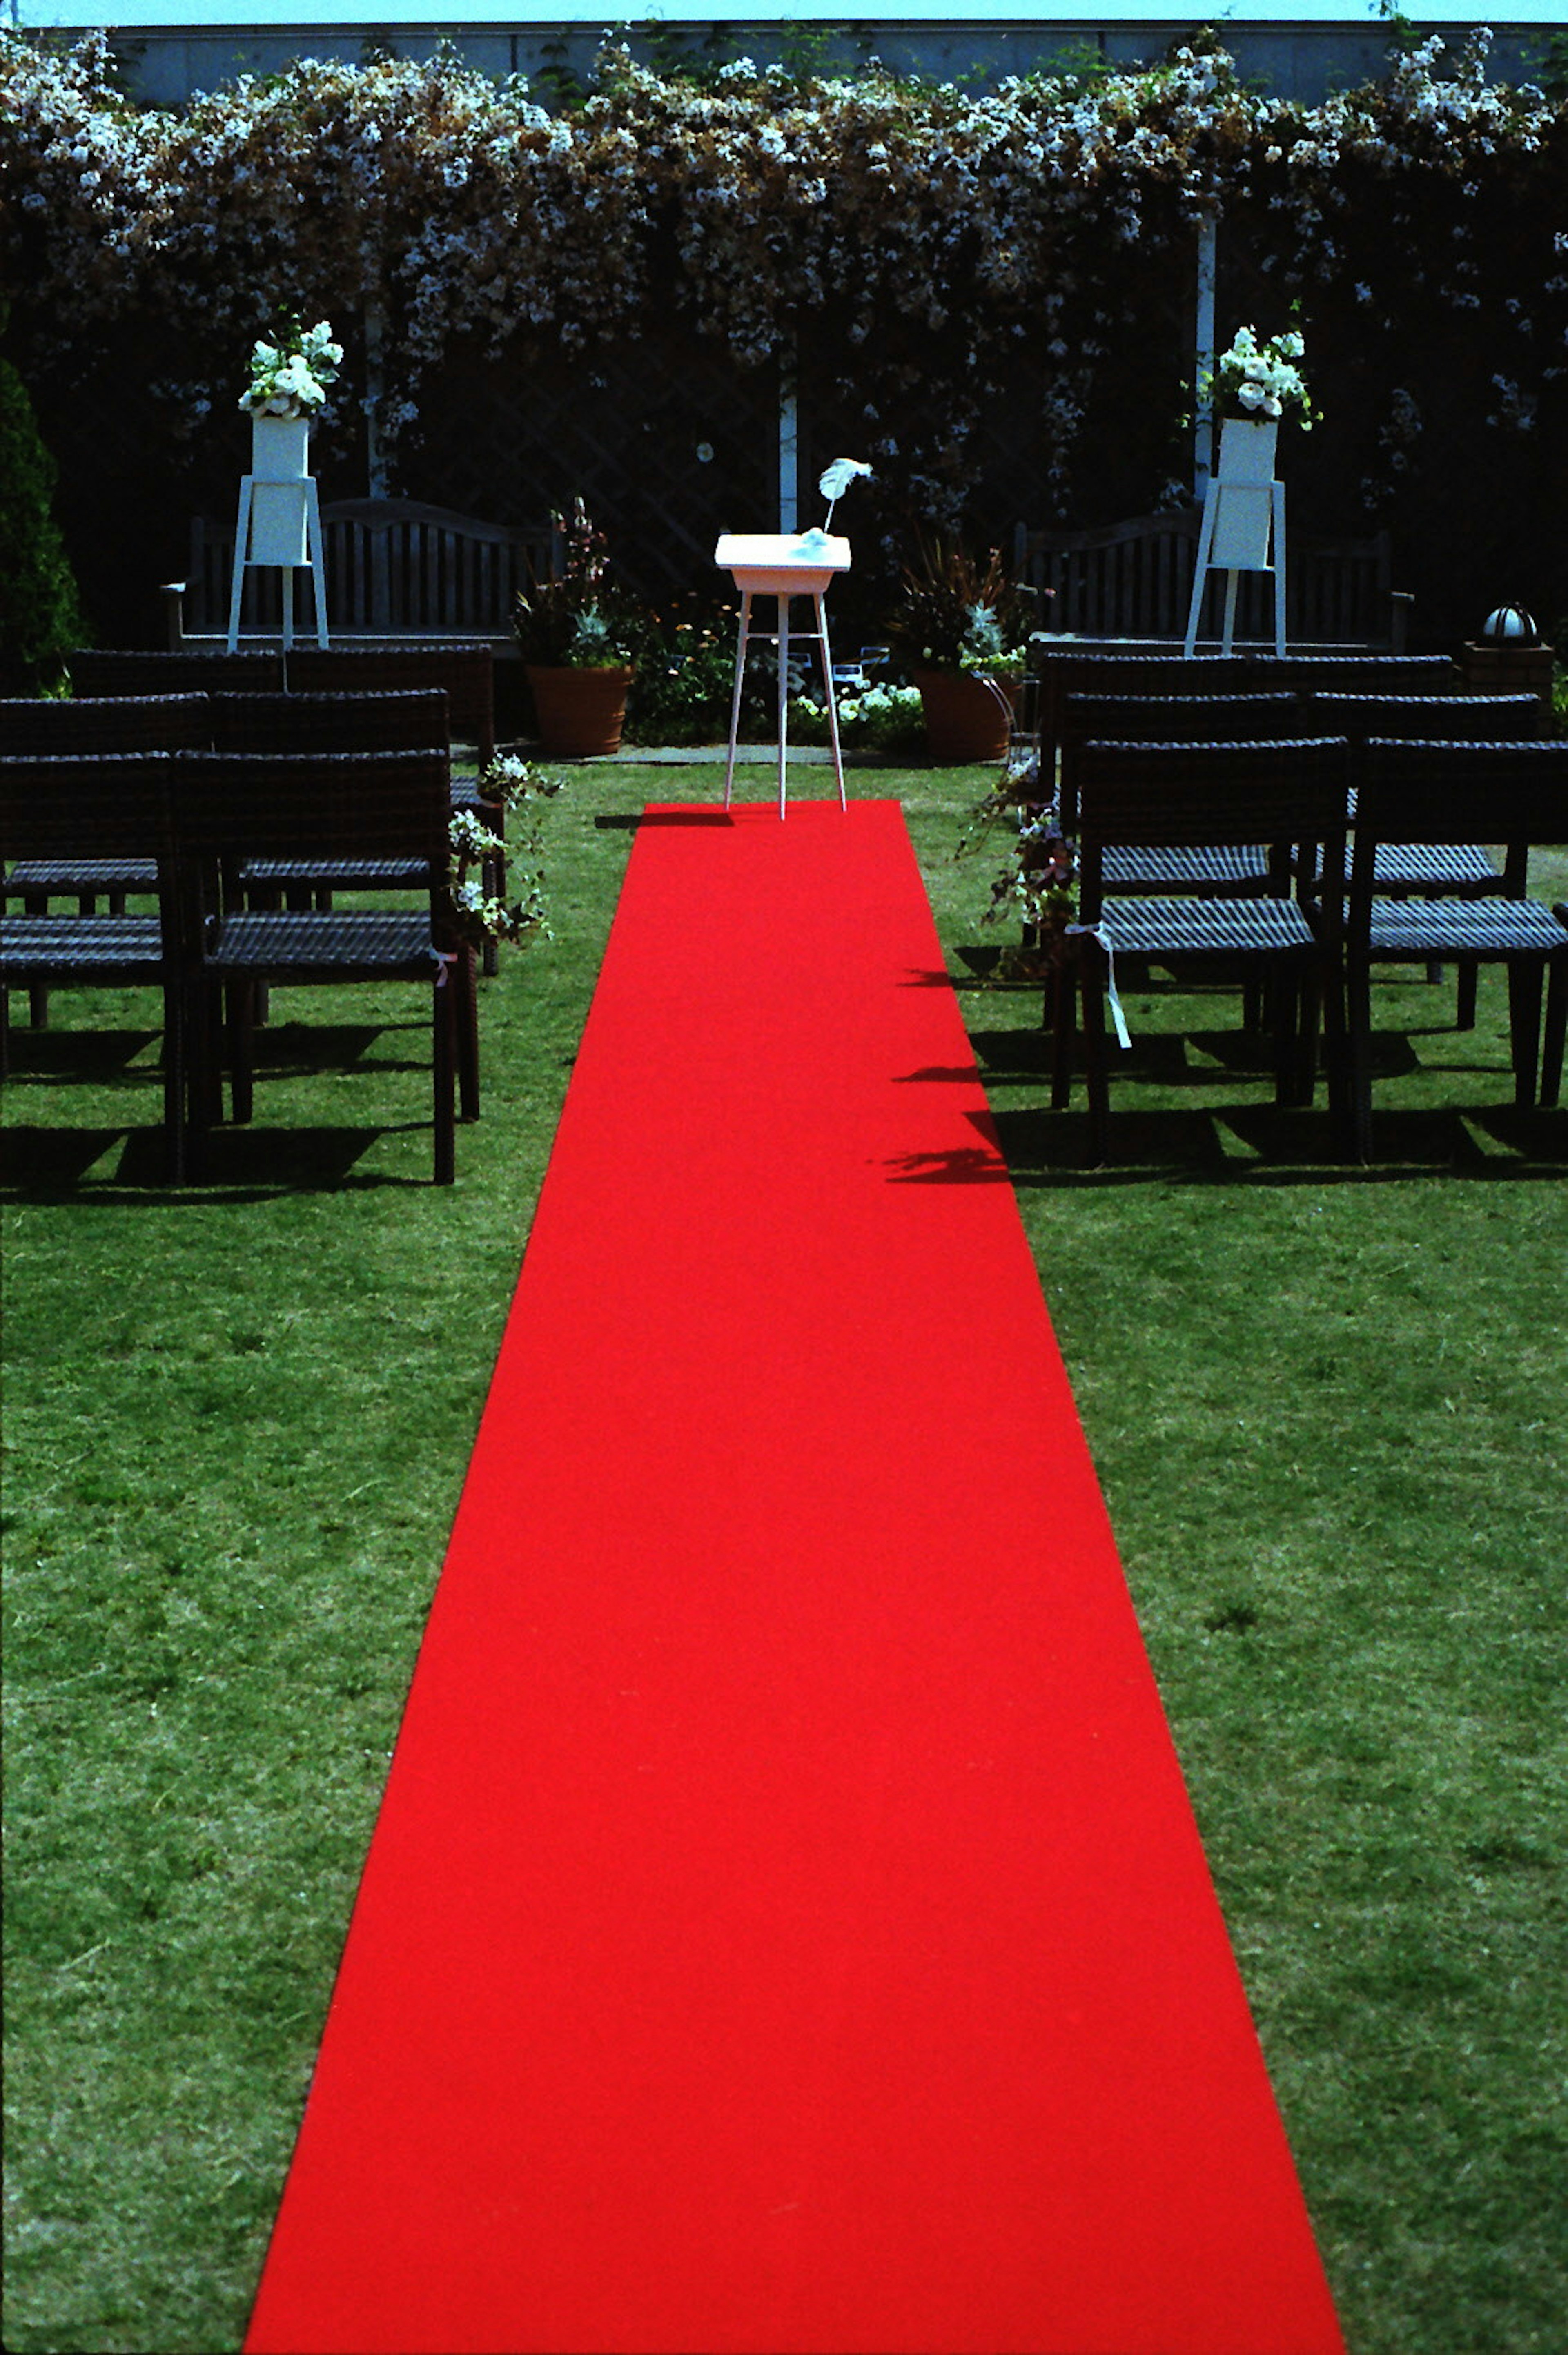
(782, 565)
(1244, 508)
(278, 523)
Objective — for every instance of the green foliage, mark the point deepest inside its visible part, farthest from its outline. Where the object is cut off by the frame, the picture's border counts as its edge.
(956, 610)
(685, 682)
(40, 612)
(579, 618)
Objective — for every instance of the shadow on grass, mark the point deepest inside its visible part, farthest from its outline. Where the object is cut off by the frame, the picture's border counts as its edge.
(631, 822)
(77, 1057)
(236, 1165)
(1261, 1146)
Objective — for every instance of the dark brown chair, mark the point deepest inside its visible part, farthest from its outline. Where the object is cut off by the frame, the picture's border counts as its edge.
(58, 727)
(1169, 720)
(465, 674)
(1277, 795)
(345, 807)
(106, 808)
(1434, 793)
(1423, 869)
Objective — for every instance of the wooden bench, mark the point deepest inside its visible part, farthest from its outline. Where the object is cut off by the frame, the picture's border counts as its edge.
(1134, 582)
(397, 570)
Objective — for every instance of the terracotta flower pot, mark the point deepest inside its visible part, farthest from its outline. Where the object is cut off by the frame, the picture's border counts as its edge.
(581, 712)
(965, 721)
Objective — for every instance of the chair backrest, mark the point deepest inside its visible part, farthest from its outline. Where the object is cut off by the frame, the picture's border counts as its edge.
(1166, 719)
(99, 670)
(316, 804)
(86, 805)
(414, 719)
(1279, 793)
(1134, 580)
(1366, 674)
(1441, 791)
(1476, 718)
(467, 674)
(1172, 719)
(108, 723)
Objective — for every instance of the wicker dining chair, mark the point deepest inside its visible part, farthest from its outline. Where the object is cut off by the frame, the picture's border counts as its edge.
(466, 674)
(1275, 795)
(1171, 719)
(1423, 869)
(108, 809)
(344, 806)
(1434, 793)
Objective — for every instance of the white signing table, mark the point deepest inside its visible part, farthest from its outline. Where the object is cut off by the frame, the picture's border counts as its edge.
(782, 565)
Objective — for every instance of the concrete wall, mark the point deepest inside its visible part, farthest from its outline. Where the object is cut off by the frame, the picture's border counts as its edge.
(1304, 61)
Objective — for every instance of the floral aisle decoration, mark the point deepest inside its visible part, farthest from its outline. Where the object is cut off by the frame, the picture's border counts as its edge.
(1261, 383)
(293, 376)
(1035, 883)
(522, 790)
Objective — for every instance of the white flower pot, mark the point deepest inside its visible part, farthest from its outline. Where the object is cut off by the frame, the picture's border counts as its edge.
(280, 449)
(1247, 449)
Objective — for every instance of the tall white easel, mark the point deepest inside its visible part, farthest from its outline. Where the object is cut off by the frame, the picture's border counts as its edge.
(1241, 518)
(782, 565)
(279, 522)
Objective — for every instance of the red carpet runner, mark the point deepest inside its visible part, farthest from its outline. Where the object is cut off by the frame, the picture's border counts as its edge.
(785, 1928)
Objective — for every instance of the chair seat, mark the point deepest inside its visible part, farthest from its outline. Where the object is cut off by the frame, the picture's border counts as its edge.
(62, 945)
(298, 945)
(1483, 928)
(52, 876)
(1155, 928)
(1189, 866)
(350, 874)
(1434, 867)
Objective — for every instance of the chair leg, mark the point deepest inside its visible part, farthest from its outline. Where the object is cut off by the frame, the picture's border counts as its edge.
(1553, 1037)
(175, 1083)
(241, 1035)
(444, 1061)
(1464, 998)
(1524, 977)
(1358, 1060)
(1306, 994)
(1096, 1074)
(464, 977)
(1059, 1013)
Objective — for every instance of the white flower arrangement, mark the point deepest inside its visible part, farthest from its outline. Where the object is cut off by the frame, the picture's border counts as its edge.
(517, 786)
(1262, 381)
(293, 376)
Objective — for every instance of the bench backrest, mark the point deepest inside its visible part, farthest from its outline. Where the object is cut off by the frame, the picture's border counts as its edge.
(1134, 580)
(395, 568)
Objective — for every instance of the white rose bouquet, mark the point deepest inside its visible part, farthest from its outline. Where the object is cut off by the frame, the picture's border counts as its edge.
(293, 376)
(1263, 380)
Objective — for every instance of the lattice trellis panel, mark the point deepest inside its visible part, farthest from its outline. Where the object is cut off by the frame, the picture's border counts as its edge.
(667, 441)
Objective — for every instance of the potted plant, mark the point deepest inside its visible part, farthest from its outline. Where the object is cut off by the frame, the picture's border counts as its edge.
(959, 627)
(579, 638)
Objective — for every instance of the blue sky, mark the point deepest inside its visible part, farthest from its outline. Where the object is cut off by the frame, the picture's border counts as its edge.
(85, 12)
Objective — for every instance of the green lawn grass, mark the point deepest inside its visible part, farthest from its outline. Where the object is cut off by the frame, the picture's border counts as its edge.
(1326, 1406)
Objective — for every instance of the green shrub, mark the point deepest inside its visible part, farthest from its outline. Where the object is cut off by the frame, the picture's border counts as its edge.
(40, 613)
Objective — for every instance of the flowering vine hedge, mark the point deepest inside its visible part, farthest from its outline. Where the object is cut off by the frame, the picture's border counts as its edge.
(922, 254)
